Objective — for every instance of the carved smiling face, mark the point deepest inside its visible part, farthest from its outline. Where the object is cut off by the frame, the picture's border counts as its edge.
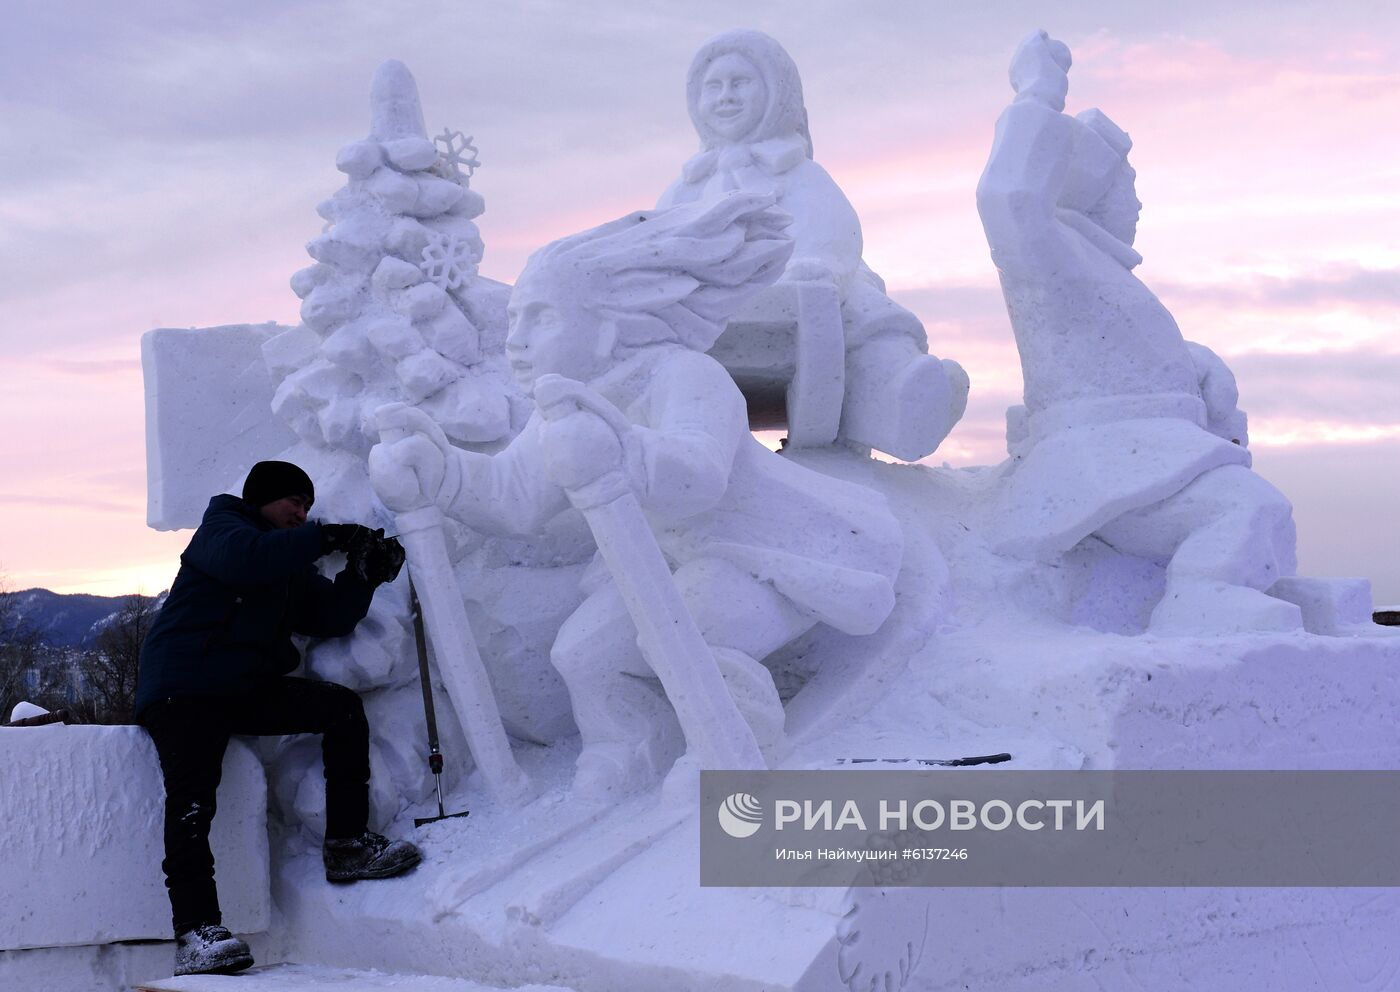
(733, 97)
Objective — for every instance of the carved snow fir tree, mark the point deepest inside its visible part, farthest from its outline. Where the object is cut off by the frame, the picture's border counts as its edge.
(394, 310)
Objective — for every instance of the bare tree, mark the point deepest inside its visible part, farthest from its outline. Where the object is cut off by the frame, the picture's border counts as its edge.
(109, 670)
(23, 656)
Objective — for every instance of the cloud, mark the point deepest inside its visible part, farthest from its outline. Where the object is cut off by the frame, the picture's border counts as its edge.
(162, 163)
(956, 301)
(1344, 505)
(1333, 285)
(122, 507)
(1311, 395)
(1333, 368)
(101, 368)
(1335, 390)
(1295, 432)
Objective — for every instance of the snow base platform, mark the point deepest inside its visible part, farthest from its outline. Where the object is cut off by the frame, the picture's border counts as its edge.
(306, 978)
(606, 898)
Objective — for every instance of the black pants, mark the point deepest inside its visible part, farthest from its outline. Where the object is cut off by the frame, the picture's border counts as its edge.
(191, 734)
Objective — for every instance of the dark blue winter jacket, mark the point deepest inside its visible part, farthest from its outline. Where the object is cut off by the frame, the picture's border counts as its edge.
(244, 587)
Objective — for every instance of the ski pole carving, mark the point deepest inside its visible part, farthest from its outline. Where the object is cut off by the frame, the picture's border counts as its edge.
(459, 662)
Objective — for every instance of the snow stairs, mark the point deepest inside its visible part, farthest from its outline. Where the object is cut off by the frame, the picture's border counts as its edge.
(308, 978)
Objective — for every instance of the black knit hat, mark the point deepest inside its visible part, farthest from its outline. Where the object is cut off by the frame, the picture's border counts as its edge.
(268, 482)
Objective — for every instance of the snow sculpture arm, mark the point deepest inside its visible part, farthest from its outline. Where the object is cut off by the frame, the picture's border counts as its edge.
(1020, 187)
(677, 461)
(681, 459)
(1224, 418)
(825, 230)
(505, 493)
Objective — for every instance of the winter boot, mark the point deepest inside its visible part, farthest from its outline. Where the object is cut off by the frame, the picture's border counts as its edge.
(368, 856)
(210, 949)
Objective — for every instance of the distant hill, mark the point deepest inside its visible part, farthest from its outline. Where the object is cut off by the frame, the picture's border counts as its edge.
(66, 620)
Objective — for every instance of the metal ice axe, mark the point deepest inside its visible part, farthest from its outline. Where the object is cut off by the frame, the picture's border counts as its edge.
(459, 662)
(429, 710)
(666, 632)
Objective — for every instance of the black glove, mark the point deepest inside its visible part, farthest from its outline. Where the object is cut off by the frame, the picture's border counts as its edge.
(379, 561)
(344, 537)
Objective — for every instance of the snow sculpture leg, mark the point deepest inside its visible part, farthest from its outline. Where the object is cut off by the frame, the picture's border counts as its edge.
(1230, 536)
(755, 695)
(666, 632)
(625, 723)
(628, 730)
(899, 399)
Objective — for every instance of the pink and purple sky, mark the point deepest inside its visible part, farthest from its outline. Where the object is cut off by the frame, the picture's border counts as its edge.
(161, 164)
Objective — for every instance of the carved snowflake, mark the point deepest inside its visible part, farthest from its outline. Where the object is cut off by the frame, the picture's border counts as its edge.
(454, 152)
(449, 260)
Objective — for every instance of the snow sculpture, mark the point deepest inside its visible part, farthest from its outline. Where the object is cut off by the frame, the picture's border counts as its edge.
(763, 549)
(860, 358)
(394, 310)
(1116, 438)
(1128, 432)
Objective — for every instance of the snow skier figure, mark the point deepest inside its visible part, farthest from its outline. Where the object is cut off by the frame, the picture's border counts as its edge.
(761, 548)
(216, 663)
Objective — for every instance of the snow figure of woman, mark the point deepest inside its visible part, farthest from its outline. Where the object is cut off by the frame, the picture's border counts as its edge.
(762, 549)
(745, 100)
(1129, 433)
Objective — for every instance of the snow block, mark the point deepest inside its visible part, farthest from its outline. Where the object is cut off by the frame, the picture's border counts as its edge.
(1329, 606)
(290, 350)
(85, 968)
(208, 416)
(81, 828)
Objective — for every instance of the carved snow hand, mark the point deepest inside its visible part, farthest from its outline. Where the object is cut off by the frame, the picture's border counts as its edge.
(412, 462)
(1040, 70)
(808, 269)
(583, 435)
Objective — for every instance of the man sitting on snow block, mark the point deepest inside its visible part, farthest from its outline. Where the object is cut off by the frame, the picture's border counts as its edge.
(215, 664)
